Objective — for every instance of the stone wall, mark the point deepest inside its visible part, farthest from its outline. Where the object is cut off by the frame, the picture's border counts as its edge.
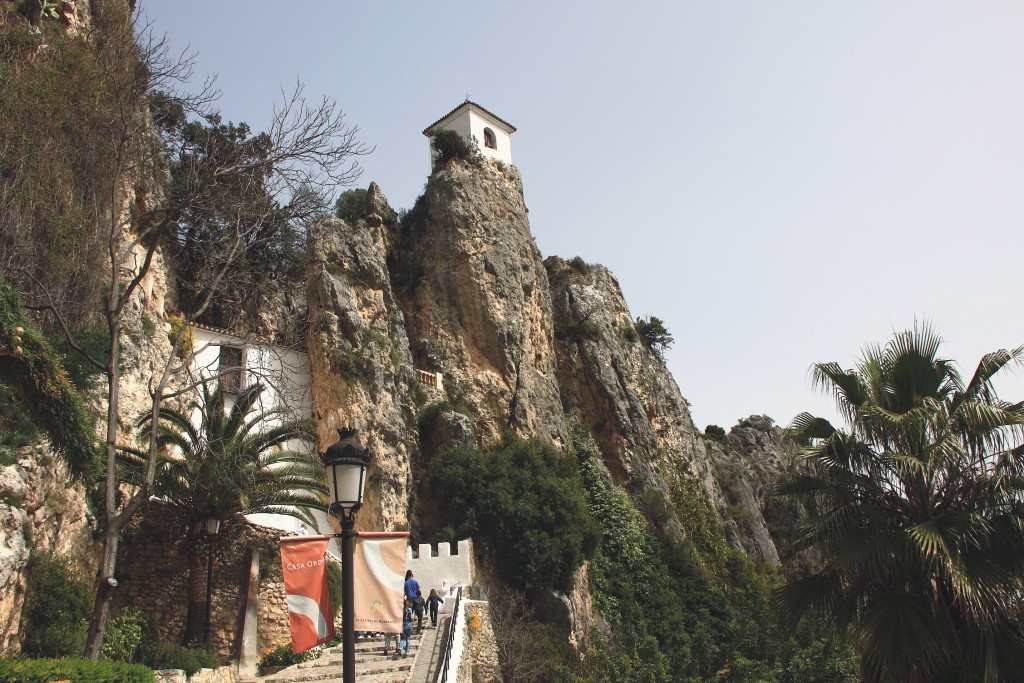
(224, 674)
(480, 649)
(155, 574)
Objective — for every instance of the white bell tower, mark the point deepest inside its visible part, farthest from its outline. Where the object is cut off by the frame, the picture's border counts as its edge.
(492, 135)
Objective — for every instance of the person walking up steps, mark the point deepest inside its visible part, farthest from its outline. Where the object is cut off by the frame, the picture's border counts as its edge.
(406, 640)
(433, 602)
(418, 605)
(412, 586)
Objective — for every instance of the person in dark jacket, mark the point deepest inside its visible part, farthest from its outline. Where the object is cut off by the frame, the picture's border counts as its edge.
(418, 607)
(433, 603)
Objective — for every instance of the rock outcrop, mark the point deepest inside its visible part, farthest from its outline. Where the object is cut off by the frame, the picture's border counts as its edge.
(362, 371)
(622, 390)
(748, 463)
(41, 511)
(476, 301)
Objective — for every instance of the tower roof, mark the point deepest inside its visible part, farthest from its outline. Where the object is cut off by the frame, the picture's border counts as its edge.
(509, 128)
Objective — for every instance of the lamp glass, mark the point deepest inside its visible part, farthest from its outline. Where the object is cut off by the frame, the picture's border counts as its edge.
(212, 524)
(347, 481)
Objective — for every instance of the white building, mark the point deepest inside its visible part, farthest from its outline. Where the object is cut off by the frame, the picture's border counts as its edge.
(285, 376)
(492, 135)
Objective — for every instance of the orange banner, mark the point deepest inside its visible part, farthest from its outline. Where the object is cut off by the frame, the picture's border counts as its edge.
(304, 566)
(379, 572)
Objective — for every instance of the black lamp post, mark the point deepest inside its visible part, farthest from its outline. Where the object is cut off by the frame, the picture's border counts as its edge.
(212, 522)
(346, 463)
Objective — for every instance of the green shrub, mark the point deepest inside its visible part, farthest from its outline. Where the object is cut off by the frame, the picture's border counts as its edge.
(581, 266)
(16, 428)
(93, 338)
(630, 334)
(654, 334)
(568, 328)
(58, 605)
(715, 433)
(72, 669)
(522, 501)
(349, 363)
(450, 145)
(175, 656)
(430, 413)
(671, 618)
(351, 205)
(42, 391)
(131, 636)
(824, 661)
(188, 337)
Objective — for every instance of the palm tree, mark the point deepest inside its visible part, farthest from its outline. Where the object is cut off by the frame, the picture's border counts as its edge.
(919, 514)
(232, 465)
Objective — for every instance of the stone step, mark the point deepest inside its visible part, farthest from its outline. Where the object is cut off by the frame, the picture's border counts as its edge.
(372, 665)
(335, 673)
(395, 667)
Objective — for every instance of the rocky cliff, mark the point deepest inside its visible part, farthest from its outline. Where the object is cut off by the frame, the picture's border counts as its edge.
(748, 462)
(625, 395)
(476, 302)
(456, 291)
(41, 511)
(362, 371)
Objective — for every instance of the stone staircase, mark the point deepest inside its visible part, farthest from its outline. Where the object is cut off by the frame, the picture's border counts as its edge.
(372, 665)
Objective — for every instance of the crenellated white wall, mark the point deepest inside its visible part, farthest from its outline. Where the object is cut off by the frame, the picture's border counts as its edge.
(430, 571)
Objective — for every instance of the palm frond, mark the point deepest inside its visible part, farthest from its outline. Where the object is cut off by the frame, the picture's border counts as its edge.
(902, 637)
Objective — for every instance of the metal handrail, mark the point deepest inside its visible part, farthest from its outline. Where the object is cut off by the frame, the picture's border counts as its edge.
(451, 637)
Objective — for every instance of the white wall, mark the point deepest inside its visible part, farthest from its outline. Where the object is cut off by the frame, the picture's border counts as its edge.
(477, 123)
(285, 375)
(430, 571)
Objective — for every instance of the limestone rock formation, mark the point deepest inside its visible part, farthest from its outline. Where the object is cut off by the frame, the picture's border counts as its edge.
(748, 463)
(41, 511)
(362, 372)
(476, 300)
(622, 390)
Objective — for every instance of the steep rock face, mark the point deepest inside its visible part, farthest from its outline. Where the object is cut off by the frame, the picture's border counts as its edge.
(362, 373)
(476, 300)
(41, 511)
(622, 390)
(748, 462)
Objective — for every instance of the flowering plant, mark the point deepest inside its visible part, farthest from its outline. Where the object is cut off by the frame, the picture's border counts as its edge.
(473, 621)
(281, 655)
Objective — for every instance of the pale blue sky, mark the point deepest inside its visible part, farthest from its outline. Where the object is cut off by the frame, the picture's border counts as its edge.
(780, 182)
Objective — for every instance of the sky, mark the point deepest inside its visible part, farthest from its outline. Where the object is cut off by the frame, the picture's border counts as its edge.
(780, 182)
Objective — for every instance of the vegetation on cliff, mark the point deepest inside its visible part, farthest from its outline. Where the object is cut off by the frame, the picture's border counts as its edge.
(92, 180)
(523, 502)
(41, 395)
(674, 620)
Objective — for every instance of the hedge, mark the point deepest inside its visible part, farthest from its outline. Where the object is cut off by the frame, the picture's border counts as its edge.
(76, 670)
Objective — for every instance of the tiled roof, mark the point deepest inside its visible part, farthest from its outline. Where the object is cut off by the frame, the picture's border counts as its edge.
(426, 131)
(247, 340)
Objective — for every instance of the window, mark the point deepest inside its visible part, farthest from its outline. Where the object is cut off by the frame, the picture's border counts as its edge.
(231, 369)
(490, 141)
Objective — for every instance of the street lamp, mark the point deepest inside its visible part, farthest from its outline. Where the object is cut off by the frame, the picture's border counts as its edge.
(346, 463)
(212, 523)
